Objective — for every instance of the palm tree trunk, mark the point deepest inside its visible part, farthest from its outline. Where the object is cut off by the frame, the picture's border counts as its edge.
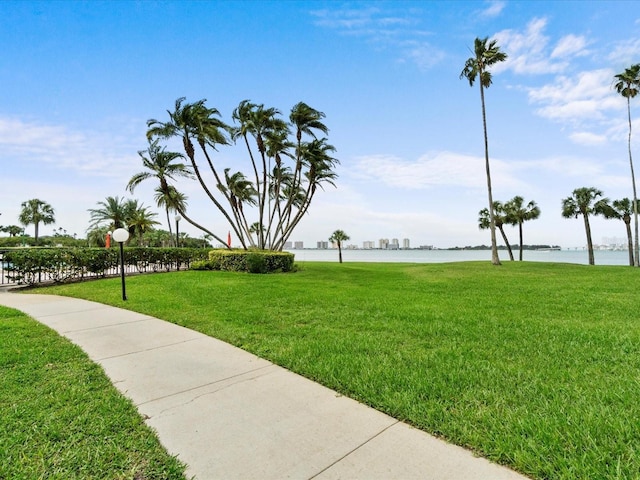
(36, 231)
(169, 223)
(506, 242)
(495, 260)
(587, 228)
(627, 224)
(635, 196)
(339, 252)
(520, 229)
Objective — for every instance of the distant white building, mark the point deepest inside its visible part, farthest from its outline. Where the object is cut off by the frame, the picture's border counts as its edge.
(367, 245)
(323, 245)
(298, 245)
(405, 244)
(288, 245)
(383, 242)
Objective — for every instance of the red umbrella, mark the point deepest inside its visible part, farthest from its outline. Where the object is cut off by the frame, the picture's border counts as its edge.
(108, 241)
(229, 239)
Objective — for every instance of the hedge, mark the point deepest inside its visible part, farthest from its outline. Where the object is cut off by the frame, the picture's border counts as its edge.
(252, 261)
(33, 265)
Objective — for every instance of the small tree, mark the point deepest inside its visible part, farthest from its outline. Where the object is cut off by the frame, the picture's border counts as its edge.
(584, 201)
(484, 222)
(517, 214)
(338, 237)
(621, 210)
(34, 212)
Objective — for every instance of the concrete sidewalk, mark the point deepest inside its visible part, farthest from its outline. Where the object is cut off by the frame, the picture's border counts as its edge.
(231, 415)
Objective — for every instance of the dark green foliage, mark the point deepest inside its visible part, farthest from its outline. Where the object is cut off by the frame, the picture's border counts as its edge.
(252, 261)
(33, 265)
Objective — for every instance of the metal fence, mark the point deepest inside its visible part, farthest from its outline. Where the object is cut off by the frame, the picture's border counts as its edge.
(8, 275)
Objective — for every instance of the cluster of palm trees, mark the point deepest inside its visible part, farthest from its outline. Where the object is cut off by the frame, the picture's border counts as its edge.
(514, 212)
(588, 202)
(116, 212)
(287, 163)
(584, 201)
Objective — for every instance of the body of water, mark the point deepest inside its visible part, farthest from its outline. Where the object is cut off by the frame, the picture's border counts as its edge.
(604, 257)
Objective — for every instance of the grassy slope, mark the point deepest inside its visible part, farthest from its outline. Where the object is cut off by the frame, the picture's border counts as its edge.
(533, 365)
(62, 419)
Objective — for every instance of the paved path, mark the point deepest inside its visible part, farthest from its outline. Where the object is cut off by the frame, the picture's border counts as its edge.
(231, 415)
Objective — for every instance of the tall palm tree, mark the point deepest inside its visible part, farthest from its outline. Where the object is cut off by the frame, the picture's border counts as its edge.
(338, 237)
(195, 122)
(622, 210)
(484, 222)
(34, 212)
(517, 214)
(584, 201)
(476, 67)
(627, 85)
(163, 167)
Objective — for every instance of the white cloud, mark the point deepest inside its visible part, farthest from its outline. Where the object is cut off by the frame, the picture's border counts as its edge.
(434, 169)
(626, 53)
(94, 153)
(532, 52)
(584, 97)
(494, 9)
(588, 138)
(570, 45)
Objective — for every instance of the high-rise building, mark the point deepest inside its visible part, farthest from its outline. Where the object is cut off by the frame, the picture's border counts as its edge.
(298, 245)
(323, 245)
(405, 244)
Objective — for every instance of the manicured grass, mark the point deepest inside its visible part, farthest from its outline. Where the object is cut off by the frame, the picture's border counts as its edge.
(533, 365)
(62, 419)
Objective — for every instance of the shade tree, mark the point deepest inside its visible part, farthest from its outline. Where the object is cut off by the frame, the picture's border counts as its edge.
(35, 212)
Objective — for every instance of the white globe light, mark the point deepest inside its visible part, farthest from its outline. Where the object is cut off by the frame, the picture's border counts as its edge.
(120, 235)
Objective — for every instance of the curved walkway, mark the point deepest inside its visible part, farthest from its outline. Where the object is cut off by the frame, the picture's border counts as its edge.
(231, 415)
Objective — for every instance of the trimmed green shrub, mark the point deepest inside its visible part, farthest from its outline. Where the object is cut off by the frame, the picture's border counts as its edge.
(34, 265)
(253, 261)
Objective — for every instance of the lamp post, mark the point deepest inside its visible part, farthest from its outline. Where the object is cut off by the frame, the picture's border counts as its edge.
(121, 235)
(178, 218)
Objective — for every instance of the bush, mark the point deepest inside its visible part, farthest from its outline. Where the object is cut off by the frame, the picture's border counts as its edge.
(34, 265)
(252, 261)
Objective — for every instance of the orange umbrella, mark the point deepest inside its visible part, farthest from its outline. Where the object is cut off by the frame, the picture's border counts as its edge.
(108, 241)
(229, 239)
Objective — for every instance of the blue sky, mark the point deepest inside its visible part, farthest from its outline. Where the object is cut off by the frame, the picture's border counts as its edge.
(79, 80)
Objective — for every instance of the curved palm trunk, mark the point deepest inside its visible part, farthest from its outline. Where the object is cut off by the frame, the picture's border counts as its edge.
(635, 197)
(495, 260)
(169, 223)
(506, 242)
(587, 228)
(627, 224)
(200, 227)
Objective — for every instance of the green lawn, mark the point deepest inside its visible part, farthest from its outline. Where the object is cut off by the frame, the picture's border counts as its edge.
(533, 365)
(62, 419)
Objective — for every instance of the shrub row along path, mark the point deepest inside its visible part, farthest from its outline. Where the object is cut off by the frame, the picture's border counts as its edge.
(229, 414)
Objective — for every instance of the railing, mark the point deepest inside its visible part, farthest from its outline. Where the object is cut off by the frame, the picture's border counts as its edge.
(136, 262)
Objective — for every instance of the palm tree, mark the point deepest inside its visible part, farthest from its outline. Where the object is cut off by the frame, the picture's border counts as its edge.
(113, 210)
(517, 214)
(189, 122)
(627, 86)
(485, 55)
(484, 222)
(13, 230)
(622, 210)
(338, 237)
(140, 221)
(162, 166)
(35, 212)
(584, 201)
